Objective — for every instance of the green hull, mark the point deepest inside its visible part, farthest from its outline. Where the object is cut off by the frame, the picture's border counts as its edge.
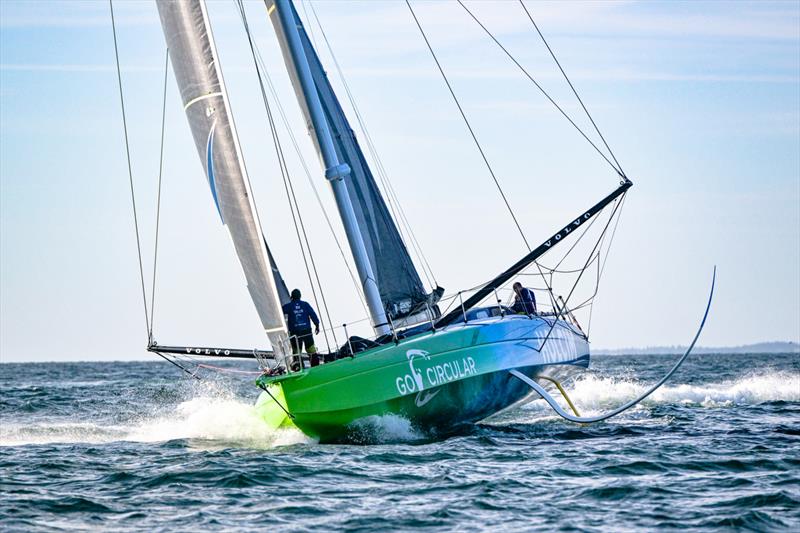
(438, 381)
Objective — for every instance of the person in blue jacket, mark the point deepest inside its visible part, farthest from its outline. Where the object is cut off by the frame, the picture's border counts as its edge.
(299, 316)
(524, 300)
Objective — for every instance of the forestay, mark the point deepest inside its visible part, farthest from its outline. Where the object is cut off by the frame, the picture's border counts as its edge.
(398, 281)
(196, 66)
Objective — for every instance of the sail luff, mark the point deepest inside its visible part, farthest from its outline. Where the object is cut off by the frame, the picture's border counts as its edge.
(195, 62)
(399, 284)
(336, 170)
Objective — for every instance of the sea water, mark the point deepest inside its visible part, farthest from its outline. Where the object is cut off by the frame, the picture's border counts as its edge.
(138, 447)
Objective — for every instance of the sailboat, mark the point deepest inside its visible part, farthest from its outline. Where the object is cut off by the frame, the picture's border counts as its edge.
(439, 369)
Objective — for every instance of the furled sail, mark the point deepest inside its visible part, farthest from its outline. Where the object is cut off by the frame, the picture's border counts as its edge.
(398, 281)
(196, 66)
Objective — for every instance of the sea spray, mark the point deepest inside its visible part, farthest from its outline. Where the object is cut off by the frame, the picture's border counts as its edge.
(229, 421)
(593, 394)
(679, 462)
(208, 411)
(382, 429)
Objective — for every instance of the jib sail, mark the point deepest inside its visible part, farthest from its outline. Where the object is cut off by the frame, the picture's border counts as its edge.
(401, 289)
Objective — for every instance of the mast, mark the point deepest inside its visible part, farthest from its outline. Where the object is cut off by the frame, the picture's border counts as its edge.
(205, 100)
(336, 171)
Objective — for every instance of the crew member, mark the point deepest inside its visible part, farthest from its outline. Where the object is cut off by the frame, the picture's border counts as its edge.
(524, 300)
(299, 316)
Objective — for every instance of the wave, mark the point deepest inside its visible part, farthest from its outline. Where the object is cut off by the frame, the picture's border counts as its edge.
(383, 429)
(213, 416)
(217, 417)
(594, 394)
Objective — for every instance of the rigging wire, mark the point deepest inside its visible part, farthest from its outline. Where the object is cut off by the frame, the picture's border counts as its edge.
(350, 98)
(172, 361)
(574, 91)
(605, 259)
(309, 178)
(130, 169)
(310, 29)
(617, 204)
(293, 206)
(555, 270)
(469, 126)
(158, 201)
(575, 244)
(594, 256)
(549, 282)
(589, 302)
(541, 89)
(382, 174)
(615, 165)
(597, 256)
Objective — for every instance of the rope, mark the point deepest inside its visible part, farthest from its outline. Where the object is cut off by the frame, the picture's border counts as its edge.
(549, 283)
(130, 170)
(293, 206)
(169, 360)
(158, 201)
(558, 271)
(593, 257)
(553, 270)
(617, 203)
(586, 229)
(382, 174)
(266, 389)
(229, 370)
(527, 74)
(574, 91)
(605, 259)
(469, 127)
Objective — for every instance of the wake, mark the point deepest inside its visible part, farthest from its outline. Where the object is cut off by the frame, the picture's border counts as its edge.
(216, 417)
(594, 394)
(210, 416)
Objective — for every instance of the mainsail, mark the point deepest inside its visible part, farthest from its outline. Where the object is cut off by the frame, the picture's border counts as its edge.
(401, 289)
(196, 66)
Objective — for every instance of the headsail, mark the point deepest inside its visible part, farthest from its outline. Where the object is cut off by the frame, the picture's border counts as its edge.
(398, 281)
(205, 100)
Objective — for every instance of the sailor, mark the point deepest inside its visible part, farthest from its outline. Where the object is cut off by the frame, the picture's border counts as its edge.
(299, 316)
(524, 300)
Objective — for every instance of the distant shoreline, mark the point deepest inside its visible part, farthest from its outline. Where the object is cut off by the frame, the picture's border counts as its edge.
(759, 348)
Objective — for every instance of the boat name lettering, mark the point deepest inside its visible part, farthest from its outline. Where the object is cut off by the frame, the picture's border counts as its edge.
(434, 375)
(558, 236)
(208, 351)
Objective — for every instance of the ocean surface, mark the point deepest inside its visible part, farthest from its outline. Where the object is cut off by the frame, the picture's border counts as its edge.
(138, 447)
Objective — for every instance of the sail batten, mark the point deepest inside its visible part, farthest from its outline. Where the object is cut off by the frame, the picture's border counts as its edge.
(205, 101)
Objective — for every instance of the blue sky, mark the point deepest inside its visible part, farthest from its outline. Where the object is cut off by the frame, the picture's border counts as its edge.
(699, 100)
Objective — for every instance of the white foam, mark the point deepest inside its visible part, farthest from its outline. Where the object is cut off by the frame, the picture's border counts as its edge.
(385, 429)
(593, 394)
(219, 419)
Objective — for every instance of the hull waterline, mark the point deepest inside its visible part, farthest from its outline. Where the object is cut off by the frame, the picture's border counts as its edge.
(437, 381)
